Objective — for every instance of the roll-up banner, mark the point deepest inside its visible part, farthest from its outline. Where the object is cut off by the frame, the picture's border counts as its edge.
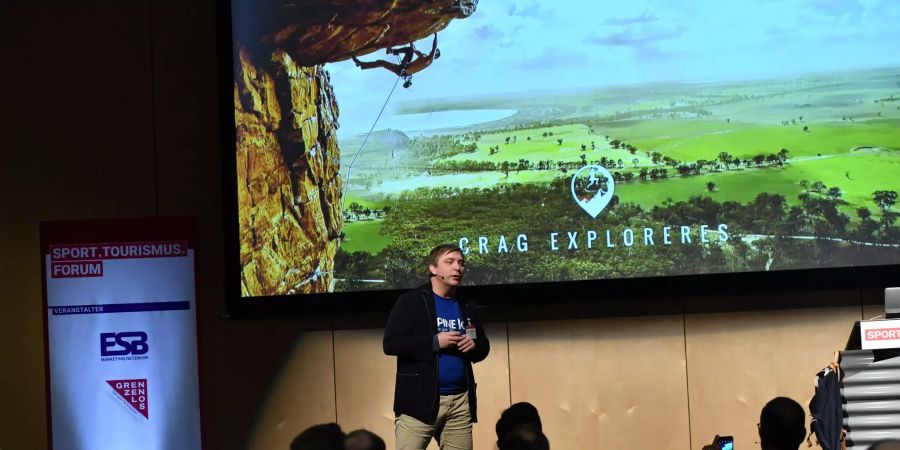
(121, 334)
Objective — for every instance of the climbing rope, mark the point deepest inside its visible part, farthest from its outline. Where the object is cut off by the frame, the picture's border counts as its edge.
(366, 139)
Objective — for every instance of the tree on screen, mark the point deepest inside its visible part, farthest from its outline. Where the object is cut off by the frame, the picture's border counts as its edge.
(885, 199)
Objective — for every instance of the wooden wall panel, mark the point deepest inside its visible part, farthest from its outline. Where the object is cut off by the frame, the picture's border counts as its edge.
(364, 382)
(492, 376)
(872, 312)
(300, 395)
(873, 303)
(739, 361)
(609, 383)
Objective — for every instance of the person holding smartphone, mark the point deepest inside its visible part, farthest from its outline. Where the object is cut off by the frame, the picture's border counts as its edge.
(782, 426)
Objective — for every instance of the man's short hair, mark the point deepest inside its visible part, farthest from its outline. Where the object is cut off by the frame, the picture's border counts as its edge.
(363, 440)
(782, 424)
(327, 436)
(525, 437)
(518, 414)
(442, 250)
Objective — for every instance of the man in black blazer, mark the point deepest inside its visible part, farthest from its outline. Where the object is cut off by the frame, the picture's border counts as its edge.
(436, 336)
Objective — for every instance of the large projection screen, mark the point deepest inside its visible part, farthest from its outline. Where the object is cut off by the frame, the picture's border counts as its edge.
(561, 141)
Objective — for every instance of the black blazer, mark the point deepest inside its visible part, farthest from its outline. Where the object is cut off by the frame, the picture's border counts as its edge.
(410, 336)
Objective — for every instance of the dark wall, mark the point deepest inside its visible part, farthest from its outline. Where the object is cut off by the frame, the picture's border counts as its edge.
(109, 109)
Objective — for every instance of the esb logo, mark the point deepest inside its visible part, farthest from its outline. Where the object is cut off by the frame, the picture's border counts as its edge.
(124, 343)
(133, 393)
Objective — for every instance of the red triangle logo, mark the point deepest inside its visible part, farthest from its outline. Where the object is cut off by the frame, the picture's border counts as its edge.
(134, 392)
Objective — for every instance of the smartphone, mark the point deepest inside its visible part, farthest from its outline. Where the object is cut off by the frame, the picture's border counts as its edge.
(726, 442)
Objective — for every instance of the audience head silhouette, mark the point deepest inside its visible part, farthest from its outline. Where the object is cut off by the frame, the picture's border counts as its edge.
(320, 437)
(363, 440)
(782, 424)
(518, 414)
(525, 437)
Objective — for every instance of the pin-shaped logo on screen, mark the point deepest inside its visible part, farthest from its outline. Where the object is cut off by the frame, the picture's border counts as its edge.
(592, 189)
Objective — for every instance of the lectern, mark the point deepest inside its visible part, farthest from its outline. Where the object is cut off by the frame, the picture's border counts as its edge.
(870, 388)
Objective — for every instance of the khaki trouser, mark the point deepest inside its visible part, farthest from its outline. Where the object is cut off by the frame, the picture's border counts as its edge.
(452, 429)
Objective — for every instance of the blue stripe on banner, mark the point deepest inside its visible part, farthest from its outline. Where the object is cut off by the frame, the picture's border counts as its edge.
(119, 308)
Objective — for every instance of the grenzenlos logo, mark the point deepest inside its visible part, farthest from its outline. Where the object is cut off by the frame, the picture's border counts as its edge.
(133, 393)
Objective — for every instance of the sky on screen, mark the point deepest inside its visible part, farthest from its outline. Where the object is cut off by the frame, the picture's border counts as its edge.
(520, 46)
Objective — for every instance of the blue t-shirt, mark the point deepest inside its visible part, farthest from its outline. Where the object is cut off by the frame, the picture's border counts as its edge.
(451, 367)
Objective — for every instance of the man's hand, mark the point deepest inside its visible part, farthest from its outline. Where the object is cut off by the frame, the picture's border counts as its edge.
(448, 338)
(714, 445)
(465, 344)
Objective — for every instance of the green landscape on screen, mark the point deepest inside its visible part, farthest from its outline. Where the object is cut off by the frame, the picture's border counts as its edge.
(732, 165)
